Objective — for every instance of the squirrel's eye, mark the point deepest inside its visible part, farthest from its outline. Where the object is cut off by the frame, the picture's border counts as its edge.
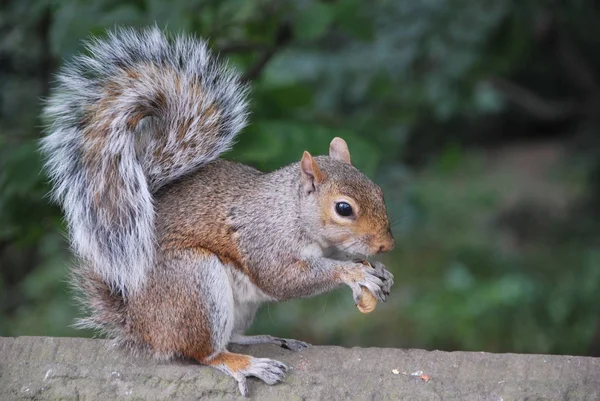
(343, 209)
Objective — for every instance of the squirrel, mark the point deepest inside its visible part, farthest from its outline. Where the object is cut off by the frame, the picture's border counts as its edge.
(177, 248)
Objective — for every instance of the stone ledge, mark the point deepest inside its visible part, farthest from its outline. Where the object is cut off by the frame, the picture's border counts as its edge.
(44, 368)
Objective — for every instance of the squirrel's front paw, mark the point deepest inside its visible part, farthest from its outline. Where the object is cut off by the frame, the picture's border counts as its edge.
(374, 279)
(293, 345)
(385, 275)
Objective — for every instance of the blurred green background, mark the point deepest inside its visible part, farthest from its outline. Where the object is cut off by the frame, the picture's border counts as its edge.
(478, 118)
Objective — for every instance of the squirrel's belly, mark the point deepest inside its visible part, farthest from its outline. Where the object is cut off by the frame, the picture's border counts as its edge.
(247, 298)
(244, 290)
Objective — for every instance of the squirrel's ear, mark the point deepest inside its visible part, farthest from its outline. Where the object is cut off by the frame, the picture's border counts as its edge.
(311, 174)
(338, 149)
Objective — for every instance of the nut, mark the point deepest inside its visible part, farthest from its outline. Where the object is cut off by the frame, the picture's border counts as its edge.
(367, 302)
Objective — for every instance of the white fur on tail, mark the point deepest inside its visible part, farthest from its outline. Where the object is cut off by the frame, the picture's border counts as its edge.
(134, 113)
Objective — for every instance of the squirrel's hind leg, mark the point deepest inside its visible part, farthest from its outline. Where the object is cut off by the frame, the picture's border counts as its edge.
(207, 275)
(187, 309)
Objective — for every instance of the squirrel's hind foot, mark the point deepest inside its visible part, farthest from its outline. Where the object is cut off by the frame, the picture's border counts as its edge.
(268, 370)
(241, 366)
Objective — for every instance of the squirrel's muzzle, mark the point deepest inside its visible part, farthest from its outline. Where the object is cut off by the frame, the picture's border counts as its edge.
(384, 243)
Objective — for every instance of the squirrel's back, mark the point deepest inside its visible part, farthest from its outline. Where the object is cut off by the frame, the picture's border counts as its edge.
(185, 220)
(136, 112)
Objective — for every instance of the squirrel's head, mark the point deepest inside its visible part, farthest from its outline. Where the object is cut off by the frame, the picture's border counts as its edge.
(341, 206)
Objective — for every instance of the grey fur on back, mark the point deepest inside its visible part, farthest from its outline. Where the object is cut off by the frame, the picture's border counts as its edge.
(136, 112)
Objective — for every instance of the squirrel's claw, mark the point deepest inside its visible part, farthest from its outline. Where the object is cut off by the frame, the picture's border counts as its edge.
(385, 276)
(293, 345)
(242, 385)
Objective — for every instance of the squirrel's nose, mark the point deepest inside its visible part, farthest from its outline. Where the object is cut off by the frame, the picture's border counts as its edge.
(386, 245)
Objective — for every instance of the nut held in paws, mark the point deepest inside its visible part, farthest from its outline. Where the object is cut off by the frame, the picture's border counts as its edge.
(368, 302)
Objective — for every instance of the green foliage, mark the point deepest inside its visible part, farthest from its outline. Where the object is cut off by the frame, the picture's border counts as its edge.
(399, 80)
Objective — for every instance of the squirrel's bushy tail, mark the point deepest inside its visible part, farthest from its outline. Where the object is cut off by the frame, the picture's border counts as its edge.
(136, 112)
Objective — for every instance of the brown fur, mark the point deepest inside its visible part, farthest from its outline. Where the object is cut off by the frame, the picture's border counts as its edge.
(235, 362)
(109, 190)
(168, 312)
(134, 120)
(203, 234)
(108, 308)
(195, 215)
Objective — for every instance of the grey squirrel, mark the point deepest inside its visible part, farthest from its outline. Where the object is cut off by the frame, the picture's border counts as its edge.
(177, 248)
